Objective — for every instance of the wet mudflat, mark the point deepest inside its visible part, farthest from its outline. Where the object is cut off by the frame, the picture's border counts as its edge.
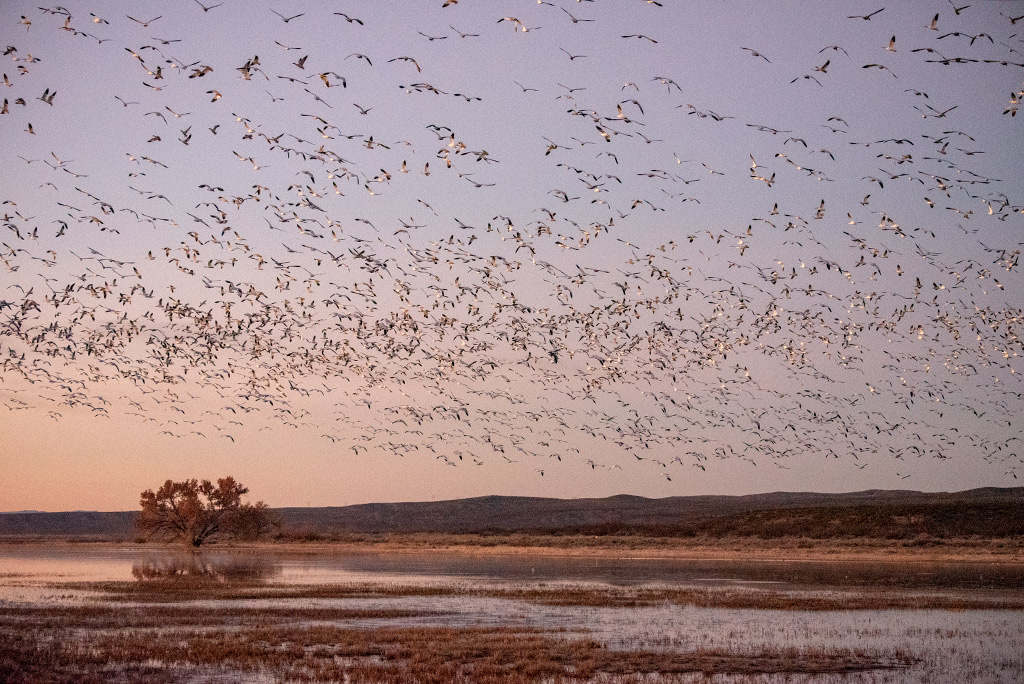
(108, 613)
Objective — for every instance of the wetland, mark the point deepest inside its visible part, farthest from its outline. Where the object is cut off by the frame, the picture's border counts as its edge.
(268, 613)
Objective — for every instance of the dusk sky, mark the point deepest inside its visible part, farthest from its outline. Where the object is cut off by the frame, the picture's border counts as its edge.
(392, 251)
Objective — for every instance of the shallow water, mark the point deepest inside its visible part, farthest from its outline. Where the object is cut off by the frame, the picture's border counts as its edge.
(88, 563)
(973, 645)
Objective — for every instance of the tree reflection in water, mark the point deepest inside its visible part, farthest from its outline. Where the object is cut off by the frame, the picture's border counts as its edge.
(212, 567)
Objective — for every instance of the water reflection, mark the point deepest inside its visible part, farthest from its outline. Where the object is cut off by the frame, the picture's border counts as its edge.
(40, 564)
(433, 567)
(215, 568)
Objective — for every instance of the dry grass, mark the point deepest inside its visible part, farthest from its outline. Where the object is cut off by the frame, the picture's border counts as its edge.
(427, 655)
(566, 595)
(163, 616)
(1007, 549)
(923, 548)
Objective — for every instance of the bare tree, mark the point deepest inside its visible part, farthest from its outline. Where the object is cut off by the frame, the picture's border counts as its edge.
(195, 512)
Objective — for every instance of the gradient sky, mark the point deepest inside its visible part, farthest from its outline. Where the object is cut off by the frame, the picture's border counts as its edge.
(554, 249)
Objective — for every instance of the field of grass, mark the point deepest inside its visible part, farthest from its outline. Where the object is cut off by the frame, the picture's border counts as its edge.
(924, 546)
(74, 647)
(822, 598)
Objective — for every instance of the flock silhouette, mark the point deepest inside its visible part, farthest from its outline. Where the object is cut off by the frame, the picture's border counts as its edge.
(519, 241)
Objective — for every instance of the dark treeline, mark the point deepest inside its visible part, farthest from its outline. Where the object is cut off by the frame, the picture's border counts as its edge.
(943, 521)
(880, 514)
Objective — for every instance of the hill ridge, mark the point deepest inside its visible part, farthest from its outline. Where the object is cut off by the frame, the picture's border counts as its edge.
(986, 511)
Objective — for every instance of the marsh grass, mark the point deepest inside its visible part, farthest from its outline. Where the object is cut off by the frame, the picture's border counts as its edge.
(919, 545)
(428, 655)
(563, 595)
(164, 616)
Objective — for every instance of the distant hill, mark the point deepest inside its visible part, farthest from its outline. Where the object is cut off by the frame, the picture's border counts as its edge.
(73, 523)
(892, 514)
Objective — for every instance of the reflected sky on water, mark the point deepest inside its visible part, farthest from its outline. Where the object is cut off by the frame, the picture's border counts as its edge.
(34, 565)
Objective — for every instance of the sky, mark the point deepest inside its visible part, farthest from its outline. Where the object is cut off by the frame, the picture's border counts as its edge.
(385, 251)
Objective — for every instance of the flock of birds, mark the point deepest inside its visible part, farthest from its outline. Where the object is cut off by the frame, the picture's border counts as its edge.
(499, 252)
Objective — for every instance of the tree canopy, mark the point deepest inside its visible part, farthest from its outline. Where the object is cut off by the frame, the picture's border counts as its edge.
(196, 512)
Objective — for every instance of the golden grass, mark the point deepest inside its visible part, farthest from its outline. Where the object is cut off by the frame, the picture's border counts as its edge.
(923, 549)
(427, 655)
(567, 595)
(163, 616)
(1002, 550)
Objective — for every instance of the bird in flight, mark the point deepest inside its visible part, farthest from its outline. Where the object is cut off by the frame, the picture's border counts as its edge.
(287, 19)
(879, 66)
(640, 36)
(574, 19)
(834, 48)
(464, 35)
(957, 10)
(808, 77)
(407, 59)
(755, 53)
(349, 19)
(145, 24)
(866, 17)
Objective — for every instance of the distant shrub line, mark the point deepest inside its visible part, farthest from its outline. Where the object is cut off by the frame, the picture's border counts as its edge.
(895, 521)
(882, 522)
(889, 522)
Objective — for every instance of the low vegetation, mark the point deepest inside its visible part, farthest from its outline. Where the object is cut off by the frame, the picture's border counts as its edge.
(317, 653)
(566, 595)
(934, 521)
(612, 544)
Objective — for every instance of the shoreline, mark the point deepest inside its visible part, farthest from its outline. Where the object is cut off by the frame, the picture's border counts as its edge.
(998, 551)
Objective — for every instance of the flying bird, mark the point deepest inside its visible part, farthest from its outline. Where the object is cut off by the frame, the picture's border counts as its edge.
(755, 53)
(866, 17)
(287, 19)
